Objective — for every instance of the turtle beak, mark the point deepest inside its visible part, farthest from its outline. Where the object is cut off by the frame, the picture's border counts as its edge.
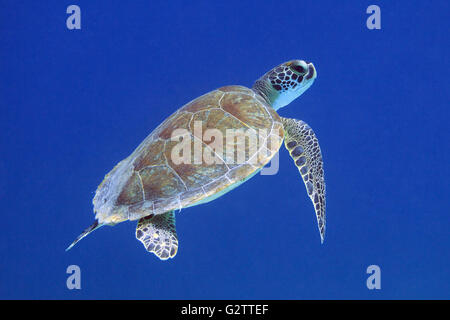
(312, 74)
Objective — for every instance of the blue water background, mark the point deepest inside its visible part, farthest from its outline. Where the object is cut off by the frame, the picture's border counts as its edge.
(75, 102)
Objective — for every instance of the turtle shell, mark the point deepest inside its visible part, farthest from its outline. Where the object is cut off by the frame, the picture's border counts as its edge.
(150, 181)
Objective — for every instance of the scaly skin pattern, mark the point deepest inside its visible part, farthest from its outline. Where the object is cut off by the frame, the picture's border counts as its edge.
(283, 84)
(149, 182)
(303, 146)
(158, 234)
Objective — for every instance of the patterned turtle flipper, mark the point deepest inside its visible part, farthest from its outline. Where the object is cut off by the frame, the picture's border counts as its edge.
(158, 234)
(304, 148)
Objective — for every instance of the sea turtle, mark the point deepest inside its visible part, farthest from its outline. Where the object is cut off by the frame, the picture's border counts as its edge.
(152, 183)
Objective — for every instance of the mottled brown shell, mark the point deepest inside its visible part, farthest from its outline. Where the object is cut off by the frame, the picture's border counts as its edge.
(149, 182)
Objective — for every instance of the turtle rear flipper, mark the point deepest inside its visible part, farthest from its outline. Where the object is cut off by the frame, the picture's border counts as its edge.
(303, 146)
(158, 234)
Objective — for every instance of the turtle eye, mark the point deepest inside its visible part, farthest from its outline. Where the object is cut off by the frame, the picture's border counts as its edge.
(299, 68)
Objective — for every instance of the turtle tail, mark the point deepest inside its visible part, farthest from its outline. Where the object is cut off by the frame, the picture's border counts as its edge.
(88, 230)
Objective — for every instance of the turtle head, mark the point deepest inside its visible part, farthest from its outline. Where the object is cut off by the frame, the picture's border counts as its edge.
(286, 82)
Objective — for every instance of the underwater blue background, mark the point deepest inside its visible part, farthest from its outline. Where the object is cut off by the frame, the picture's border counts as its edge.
(75, 102)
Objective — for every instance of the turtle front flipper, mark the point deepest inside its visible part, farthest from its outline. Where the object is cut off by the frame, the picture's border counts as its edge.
(158, 234)
(303, 146)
